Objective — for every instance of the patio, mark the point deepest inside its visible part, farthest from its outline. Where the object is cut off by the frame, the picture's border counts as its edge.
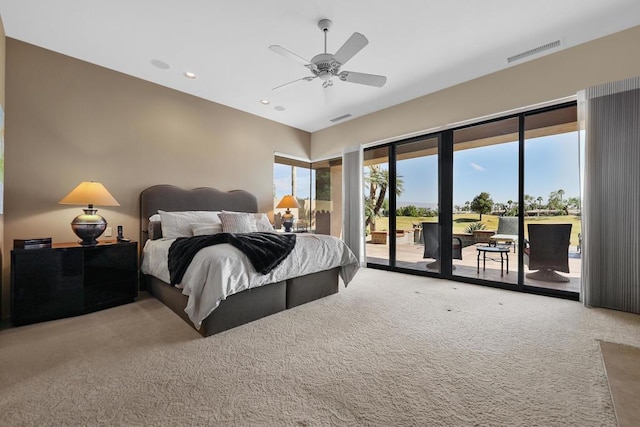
(409, 256)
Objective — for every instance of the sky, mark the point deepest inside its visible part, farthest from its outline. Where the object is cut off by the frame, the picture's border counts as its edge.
(551, 164)
(282, 181)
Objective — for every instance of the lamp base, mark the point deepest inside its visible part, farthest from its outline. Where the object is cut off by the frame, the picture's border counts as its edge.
(88, 227)
(287, 221)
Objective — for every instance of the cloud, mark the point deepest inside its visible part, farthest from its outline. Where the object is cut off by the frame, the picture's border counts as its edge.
(478, 167)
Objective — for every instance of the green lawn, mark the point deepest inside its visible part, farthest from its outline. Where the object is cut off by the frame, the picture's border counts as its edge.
(462, 221)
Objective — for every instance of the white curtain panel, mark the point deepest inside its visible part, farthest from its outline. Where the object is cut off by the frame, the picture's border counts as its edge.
(609, 116)
(353, 201)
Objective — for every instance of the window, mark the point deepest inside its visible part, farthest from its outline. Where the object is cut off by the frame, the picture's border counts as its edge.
(552, 200)
(317, 187)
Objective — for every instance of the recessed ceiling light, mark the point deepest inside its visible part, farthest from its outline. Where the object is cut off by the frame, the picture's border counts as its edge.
(189, 75)
(160, 64)
(264, 101)
(279, 108)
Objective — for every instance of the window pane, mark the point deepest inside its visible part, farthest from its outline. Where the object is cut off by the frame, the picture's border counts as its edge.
(416, 204)
(552, 200)
(485, 190)
(326, 188)
(292, 177)
(376, 181)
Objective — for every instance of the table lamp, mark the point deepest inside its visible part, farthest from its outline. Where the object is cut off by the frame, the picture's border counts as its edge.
(89, 225)
(288, 202)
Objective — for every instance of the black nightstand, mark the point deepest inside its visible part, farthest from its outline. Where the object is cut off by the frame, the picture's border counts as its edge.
(69, 279)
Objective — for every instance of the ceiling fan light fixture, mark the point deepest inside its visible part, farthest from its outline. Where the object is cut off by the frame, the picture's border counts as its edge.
(326, 65)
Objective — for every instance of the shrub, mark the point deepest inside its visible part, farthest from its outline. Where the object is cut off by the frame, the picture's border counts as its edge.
(409, 210)
(475, 227)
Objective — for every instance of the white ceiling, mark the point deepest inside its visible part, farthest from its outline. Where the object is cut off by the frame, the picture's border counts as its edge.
(420, 45)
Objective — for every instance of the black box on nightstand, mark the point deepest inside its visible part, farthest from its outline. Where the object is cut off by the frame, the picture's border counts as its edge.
(43, 242)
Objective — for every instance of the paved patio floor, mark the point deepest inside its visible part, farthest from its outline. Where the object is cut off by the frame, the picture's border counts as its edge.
(409, 255)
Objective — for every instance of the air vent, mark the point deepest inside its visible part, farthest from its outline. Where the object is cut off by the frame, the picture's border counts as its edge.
(337, 119)
(160, 64)
(534, 51)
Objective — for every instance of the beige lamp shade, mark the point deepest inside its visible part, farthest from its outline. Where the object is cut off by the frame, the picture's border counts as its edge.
(89, 193)
(288, 202)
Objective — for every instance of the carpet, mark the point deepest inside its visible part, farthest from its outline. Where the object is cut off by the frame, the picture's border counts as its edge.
(391, 349)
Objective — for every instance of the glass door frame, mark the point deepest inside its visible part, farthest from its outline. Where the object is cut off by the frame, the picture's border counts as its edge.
(445, 206)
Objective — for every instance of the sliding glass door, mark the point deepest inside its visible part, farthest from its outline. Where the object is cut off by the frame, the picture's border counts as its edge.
(485, 196)
(376, 205)
(494, 203)
(553, 221)
(416, 193)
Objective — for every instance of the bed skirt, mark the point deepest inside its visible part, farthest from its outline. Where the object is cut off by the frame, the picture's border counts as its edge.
(250, 304)
(303, 289)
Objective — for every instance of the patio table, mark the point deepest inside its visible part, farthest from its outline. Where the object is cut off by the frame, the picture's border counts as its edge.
(502, 250)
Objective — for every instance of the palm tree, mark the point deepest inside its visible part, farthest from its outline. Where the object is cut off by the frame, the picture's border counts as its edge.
(560, 194)
(529, 202)
(539, 200)
(378, 182)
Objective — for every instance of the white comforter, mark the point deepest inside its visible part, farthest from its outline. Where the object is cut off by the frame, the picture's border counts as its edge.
(222, 270)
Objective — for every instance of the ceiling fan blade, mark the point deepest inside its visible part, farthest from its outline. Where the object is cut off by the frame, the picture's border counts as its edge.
(308, 78)
(353, 45)
(288, 54)
(363, 78)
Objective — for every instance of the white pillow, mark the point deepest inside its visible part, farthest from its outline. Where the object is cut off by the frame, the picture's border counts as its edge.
(178, 224)
(206, 229)
(238, 222)
(263, 223)
(155, 218)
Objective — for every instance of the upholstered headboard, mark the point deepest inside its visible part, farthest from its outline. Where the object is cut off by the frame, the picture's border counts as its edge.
(172, 199)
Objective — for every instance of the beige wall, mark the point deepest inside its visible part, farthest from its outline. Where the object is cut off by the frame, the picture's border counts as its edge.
(551, 77)
(69, 121)
(4, 260)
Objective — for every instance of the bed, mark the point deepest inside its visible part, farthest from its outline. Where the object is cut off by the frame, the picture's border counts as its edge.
(213, 302)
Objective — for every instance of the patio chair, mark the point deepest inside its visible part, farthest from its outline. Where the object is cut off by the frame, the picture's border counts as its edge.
(323, 222)
(277, 221)
(507, 231)
(431, 240)
(547, 251)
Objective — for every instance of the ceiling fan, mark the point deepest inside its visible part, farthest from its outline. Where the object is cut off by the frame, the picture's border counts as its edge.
(326, 65)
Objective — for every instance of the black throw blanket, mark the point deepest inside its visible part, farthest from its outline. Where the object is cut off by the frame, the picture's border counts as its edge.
(265, 250)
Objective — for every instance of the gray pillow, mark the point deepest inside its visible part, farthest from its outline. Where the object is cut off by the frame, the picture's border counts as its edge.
(238, 222)
(155, 230)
